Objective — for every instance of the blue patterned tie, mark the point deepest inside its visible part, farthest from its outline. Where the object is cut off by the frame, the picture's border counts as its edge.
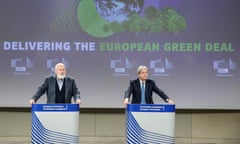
(143, 101)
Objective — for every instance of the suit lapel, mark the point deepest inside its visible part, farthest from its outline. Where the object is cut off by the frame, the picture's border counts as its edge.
(66, 88)
(138, 85)
(138, 88)
(52, 84)
(146, 87)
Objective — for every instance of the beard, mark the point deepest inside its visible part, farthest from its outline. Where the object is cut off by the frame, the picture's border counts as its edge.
(59, 76)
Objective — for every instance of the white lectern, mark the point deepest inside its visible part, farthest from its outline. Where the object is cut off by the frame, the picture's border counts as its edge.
(55, 123)
(150, 124)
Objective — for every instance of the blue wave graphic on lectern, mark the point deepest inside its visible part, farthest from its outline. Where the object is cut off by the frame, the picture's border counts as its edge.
(137, 135)
(44, 136)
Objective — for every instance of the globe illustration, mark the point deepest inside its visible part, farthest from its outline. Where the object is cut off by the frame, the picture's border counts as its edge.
(117, 10)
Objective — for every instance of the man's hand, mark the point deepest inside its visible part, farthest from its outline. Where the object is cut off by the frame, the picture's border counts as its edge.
(32, 101)
(125, 102)
(170, 101)
(78, 101)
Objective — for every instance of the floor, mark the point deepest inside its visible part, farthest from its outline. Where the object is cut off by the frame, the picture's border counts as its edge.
(81, 142)
(26, 140)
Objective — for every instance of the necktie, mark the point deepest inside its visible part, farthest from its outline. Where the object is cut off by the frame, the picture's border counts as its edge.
(143, 101)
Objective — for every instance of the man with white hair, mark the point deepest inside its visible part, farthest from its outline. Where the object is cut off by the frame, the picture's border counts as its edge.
(142, 88)
(59, 88)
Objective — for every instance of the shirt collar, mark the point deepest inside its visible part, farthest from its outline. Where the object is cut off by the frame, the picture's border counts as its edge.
(142, 81)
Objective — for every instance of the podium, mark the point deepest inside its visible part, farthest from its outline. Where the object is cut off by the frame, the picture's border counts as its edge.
(55, 123)
(150, 124)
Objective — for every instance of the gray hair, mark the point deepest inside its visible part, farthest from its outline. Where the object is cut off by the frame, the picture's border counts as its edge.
(141, 68)
(59, 64)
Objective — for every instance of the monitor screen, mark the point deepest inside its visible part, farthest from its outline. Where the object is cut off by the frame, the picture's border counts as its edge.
(191, 48)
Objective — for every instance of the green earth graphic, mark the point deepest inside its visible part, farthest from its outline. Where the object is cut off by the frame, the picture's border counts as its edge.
(103, 18)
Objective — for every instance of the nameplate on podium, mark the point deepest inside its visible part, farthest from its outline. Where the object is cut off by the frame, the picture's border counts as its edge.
(150, 123)
(55, 123)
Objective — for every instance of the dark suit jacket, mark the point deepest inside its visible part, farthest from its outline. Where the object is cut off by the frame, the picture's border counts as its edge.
(49, 87)
(150, 87)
